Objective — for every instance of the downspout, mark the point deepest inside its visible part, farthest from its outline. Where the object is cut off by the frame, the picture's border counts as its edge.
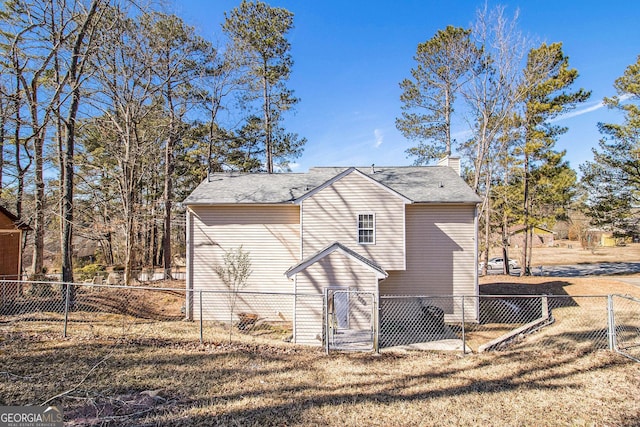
(188, 312)
(295, 279)
(376, 319)
(475, 267)
(20, 237)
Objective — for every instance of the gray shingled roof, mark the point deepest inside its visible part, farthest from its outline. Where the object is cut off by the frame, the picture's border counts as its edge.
(420, 184)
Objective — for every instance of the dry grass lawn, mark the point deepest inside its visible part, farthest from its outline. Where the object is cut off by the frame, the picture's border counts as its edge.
(169, 378)
(173, 382)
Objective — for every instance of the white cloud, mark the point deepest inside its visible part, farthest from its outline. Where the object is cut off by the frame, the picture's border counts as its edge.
(379, 137)
(598, 105)
(580, 112)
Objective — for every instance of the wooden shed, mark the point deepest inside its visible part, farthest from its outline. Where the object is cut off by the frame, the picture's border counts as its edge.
(11, 229)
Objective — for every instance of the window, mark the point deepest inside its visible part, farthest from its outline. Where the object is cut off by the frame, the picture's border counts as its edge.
(366, 229)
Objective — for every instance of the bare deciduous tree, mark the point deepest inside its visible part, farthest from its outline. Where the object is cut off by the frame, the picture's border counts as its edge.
(234, 274)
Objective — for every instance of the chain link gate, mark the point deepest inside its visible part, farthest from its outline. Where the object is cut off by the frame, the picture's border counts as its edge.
(350, 320)
(625, 324)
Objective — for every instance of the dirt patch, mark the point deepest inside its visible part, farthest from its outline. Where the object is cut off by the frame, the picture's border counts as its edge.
(142, 304)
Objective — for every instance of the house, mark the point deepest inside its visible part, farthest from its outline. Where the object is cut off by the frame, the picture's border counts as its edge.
(382, 230)
(597, 237)
(11, 230)
(541, 236)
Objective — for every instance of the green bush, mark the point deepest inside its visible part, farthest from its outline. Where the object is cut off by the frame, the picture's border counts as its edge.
(89, 271)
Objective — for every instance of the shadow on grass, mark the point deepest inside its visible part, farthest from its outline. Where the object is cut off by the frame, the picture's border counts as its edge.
(247, 384)
(552, 287)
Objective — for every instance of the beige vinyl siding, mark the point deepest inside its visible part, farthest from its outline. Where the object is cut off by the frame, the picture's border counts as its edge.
(271, 235)
(331, 215)
(335, 270)
(441, 254)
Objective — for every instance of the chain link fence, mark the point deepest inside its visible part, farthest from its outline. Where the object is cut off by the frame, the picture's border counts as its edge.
(625, 320)
(150, 313)
(91, 310)
(460, 323)
(494, 322)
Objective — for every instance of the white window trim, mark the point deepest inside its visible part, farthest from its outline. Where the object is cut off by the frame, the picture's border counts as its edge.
(358, 228)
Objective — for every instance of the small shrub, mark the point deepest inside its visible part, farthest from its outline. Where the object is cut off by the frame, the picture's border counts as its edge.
(89, 271)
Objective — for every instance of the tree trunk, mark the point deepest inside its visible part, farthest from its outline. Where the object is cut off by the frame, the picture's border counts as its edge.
(447, 122)
(487, 234)
(530, 249)
(68, 174)
(129, 239)
(168, 187)
(3, 134)
(525, 270)
(38, 225)
(67, 196)
(268, 143)
(168, 199)
(505, 239)
(21, 171)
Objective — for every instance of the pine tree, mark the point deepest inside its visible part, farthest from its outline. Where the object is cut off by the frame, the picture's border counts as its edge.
(444, 63)
(258, 33)
(547, 82)
(612, 180)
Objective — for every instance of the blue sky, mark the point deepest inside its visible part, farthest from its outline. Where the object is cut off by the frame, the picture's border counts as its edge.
(350, 55)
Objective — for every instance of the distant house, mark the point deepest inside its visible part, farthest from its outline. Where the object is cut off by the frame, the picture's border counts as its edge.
(386, 230)
(541, 236)
(597, 237)
(11, 229)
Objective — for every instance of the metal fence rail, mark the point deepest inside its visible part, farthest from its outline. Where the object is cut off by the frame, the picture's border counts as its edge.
(460, 323)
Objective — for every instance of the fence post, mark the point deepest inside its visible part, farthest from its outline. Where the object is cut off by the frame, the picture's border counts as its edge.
(66, 308)
(325, 319)
(611, 326)
(376, 322)
(201, 325)
(464, 338)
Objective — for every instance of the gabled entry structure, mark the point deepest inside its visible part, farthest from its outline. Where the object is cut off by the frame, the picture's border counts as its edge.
(350, 284)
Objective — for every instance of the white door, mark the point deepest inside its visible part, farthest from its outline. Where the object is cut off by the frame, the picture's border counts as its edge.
(339, 306)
